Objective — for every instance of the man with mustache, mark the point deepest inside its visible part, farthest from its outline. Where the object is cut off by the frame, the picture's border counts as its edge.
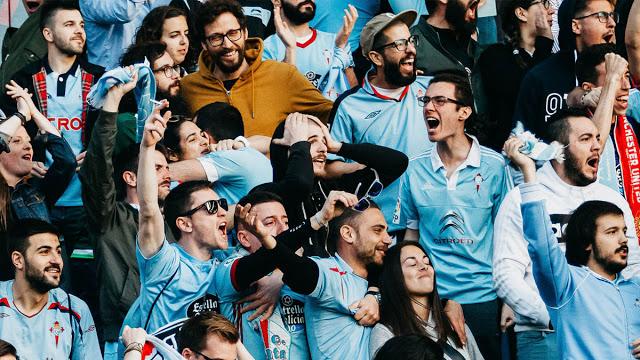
(40, 319)
(544, 89)
(324, 58)
(596, 306)
(333, 285)
(601, 71)
(60, 84)
(232, 71)
(448, 37)
(385, 109)
(564, 186)
(450, 196)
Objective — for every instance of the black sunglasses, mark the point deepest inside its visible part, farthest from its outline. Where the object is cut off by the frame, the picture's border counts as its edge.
(374, 190)
(211, 206)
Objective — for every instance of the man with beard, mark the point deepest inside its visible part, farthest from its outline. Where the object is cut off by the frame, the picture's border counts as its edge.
(596, 306)
(38, 318)
(333, 285)
(232, 71)
(564, 186)
(450, 196)
(447, 36)
(385, 109)
(112, 207)
(544, 88)
(60, 83)
(600, 70)
(167, 76)
(324, 58)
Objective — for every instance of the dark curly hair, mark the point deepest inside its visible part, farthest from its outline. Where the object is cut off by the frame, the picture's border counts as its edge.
(214, 8)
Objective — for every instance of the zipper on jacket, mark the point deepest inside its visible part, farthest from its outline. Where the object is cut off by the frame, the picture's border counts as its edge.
(467, 69)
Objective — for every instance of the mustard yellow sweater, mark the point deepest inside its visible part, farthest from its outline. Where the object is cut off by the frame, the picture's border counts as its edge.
(265, 94)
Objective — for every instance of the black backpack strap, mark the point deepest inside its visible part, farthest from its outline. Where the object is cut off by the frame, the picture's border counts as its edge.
(146, 323)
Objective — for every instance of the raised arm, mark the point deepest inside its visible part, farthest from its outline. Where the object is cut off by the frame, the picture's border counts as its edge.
(151, 228)
(96, 174)
(616, 67)
(550, 268)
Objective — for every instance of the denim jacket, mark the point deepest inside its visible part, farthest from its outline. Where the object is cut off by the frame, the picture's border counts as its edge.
(33, 197)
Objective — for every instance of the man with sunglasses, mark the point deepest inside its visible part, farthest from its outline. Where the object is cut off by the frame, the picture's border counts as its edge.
(450, 196)
(385, 109)
(545, 88)
(232, 71)
(177, 280)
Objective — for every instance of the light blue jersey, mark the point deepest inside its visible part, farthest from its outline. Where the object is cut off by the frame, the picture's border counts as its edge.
(455, 218)
(235, 172)
(49, 333)
(318, 60)
(185, 281)
(64, 110)
(332, 331)
(362, 115)
(597, 318)
(329, 14)
(282, 336)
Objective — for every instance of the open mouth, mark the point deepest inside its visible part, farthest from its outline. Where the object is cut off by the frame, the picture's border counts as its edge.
(229, 54)
(320, 159)
(623, 100)
(32, 5)
(432, 122)
(593, 162)
(608, 38)
(52, 270)
(223, 228)
(623, 250)
(165, 184)
(408, 64)
(27, 157)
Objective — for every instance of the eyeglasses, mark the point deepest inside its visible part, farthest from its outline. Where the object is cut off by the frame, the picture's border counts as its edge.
(402, 44)
(603, 16)
(217, 39)
(545, 3)
(438, 101)
(179, 118)
(374, 190)
(211, 206)
(169, 70)
(201, 354)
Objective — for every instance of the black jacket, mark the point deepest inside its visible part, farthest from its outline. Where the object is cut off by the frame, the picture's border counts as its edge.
(309, 197)
(502, 69)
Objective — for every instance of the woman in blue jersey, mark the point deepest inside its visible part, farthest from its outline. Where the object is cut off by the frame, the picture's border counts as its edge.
(411, 304)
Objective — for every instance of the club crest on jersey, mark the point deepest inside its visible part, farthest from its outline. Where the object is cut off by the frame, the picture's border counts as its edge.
(56, 330)
(478, 180)
(313, 78)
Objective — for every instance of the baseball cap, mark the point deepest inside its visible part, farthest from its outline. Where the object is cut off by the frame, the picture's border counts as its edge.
(379, 23)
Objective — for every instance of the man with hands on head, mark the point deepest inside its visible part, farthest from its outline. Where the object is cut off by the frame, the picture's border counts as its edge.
(586, 288)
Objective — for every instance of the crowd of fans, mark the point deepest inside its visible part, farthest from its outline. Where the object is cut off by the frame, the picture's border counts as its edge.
(286, 179)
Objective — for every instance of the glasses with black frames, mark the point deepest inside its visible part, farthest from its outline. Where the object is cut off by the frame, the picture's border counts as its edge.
(216, 40)
(401, 44)
(210, 206)
(602, 16)
(438, 101)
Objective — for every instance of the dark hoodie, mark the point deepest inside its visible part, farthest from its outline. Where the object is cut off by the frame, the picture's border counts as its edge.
(302, 201)
(544, 88)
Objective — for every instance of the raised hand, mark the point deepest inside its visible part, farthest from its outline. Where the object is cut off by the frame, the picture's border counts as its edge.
(155, 125)
(283, 30)
(252, 224)
(332, 146)
(296, 128)
(526, 164)
(616, 66)
(334, 206)
(348, 21)
(124, 88)
(22, 97)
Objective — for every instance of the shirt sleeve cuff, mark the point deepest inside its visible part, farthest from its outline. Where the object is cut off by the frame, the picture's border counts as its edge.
(412, 224)
(209, 169)
(531, 192)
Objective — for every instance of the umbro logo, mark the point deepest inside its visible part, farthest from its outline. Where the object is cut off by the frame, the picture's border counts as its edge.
(452, 220)
(4, 315)
(373, 114)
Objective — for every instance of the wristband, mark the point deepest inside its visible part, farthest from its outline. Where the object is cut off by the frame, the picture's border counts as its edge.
(21, 116)
(243, 140)
(134, 346)
(375, 294)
